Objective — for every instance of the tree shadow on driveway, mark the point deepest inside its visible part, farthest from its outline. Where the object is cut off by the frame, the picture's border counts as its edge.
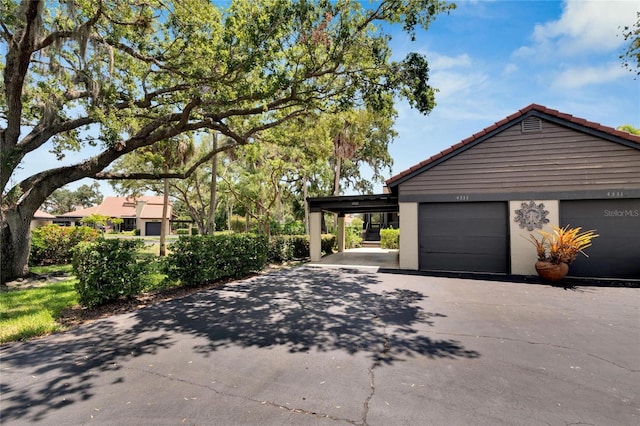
(307, 308)
(300, 309)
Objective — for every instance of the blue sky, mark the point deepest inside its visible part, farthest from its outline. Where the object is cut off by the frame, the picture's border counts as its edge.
(489, 59)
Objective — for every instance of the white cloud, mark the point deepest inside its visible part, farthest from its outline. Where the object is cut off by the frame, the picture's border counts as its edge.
(441, 62)
(509, 69)
(575, 78)
(593, 26)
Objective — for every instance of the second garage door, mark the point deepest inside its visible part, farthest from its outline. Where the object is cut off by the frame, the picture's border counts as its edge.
(616, 252)
(464, 237)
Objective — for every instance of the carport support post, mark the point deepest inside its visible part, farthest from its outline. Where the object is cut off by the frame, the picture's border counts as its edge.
(341, 232)
(315, 236)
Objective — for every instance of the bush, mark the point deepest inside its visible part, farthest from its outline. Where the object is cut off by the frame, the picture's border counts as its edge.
(390, 238)
(283, 248)
(107, 270)
(209, 258)
(182, 231)
(328, 243)
(53, 244)
(353, 236)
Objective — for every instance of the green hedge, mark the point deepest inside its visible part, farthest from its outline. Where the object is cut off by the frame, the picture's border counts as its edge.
(107, 270)
(283, 248)
(209, 258)
(328, 243)
(53, 244)
(390, 238)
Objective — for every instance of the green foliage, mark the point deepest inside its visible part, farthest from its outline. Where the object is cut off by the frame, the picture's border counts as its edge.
(295, 227)
(53, 244)
(64, 200)
(328, 243)
(182, 231)
(352, 236)
(390, 238)
(33, 312)
(95, 220)
(283, 248)
(108, 270)
(631, 55)
(209, 258)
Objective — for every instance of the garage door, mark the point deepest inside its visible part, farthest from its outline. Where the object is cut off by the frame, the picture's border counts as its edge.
(616, 252)
(153, 228)
(470, 237)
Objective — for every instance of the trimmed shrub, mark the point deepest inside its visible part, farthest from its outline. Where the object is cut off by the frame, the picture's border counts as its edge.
(209, 258)
(182, 231)
(353, 236)
(53, 244)
(328, 243)
(390, 238)
(283, 248)
(107, 270)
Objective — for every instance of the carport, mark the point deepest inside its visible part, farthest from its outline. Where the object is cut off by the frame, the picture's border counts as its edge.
(342, 205)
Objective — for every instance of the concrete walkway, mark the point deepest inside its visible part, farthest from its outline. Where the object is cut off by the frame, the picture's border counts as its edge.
(370, 258)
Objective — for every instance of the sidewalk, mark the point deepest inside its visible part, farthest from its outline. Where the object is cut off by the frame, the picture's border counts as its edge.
(369, 257)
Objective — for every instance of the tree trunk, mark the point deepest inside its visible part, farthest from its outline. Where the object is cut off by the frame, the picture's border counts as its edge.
(16, 244)
(212, 196)
(165, 221)
(305, 194)
(336, 188)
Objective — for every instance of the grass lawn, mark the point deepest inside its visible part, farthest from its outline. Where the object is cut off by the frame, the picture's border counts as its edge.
(33, 312)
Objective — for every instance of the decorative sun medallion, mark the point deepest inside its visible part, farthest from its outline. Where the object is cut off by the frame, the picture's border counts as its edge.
(531, 216)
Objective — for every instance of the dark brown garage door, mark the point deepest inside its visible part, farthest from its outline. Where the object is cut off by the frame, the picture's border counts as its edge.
(616, 252)
(469, 237)
(153, 228)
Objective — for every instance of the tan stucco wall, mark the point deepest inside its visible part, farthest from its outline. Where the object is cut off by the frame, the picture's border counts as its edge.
(315, 236)
(409, 256)
(523, 253)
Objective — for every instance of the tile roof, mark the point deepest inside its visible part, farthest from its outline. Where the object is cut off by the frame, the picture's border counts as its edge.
(122, 207)
(154, 211)
(533, 107)
(39, 214)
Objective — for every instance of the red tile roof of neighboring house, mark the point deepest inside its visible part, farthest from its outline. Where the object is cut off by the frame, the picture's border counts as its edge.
(39, 214)
(84, 212)
(122, 207)
(533, 107)
(154, 211)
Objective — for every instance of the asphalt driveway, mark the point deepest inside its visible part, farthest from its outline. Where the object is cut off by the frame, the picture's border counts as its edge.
(329, 346)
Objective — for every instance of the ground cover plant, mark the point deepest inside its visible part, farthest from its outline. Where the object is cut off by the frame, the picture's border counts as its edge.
(34, 311)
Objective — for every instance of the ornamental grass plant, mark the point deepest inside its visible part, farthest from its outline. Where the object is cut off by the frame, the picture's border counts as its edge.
(563, 244)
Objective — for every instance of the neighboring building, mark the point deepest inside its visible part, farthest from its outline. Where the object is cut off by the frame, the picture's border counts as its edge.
(143, 213)
(468, 208)
(41, 218)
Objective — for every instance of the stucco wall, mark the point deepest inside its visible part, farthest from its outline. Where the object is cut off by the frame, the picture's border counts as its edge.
(409, 255)
(523, 252)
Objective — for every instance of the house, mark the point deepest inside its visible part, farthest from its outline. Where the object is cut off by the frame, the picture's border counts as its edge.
(143, 213)
(41, 218)
(468, 208)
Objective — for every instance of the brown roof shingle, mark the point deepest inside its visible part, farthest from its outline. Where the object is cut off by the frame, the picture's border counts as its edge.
(533, 107)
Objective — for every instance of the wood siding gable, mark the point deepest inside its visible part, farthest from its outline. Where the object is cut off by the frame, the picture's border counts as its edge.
(555, 159)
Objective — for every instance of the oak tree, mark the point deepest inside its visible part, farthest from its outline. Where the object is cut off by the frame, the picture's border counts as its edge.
(119, 75)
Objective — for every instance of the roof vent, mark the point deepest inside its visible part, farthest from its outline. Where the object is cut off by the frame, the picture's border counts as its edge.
(531, 124)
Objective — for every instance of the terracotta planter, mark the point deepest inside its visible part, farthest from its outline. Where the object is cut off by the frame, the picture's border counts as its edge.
(551, 271)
